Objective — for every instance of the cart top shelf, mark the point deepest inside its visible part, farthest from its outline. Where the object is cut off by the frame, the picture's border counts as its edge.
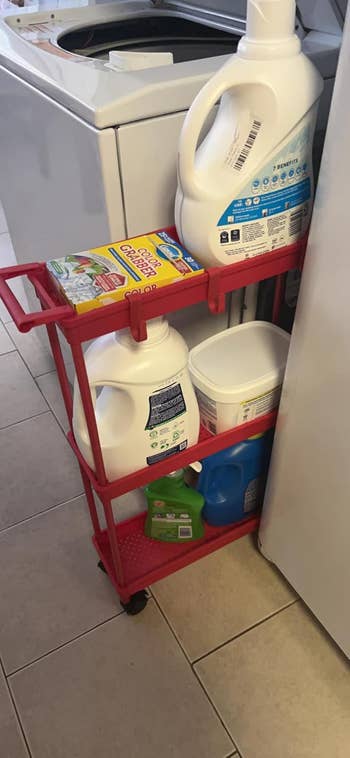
(134, 312)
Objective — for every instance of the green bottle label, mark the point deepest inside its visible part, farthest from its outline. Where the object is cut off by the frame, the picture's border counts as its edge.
(170, 523)
(174, 511)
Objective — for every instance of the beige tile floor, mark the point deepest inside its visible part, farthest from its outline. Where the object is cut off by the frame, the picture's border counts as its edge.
(224, 661)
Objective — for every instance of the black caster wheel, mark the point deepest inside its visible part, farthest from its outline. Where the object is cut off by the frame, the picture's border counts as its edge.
(136, 603)
(102, 567)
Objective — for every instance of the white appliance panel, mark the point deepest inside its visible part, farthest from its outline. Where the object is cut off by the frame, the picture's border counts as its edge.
(147, 155)
(306, 518)
(76, 194)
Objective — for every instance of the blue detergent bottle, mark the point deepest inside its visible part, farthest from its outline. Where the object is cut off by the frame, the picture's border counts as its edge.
(233, 480)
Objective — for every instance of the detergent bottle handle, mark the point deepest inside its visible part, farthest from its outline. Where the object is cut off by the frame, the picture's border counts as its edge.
(120, 400)
(78, 409)
(98, 359)
(206, 476)
(202, 105)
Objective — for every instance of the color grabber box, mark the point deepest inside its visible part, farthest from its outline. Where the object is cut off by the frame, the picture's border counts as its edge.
(108, 274)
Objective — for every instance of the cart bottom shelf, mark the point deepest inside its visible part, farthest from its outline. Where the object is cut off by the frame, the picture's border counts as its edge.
(145, 561)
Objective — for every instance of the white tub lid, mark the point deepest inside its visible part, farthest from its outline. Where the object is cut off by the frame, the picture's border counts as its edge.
(244, 357)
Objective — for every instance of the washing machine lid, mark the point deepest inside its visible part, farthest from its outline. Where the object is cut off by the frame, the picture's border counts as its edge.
(342, 6)
(104, 97)
(222, 13)
(316, 15)
(322, 15)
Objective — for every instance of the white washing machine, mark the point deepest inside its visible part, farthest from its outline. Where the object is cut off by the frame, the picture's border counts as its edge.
(88, 151)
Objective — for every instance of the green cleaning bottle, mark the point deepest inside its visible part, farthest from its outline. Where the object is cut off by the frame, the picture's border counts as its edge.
(174, 510)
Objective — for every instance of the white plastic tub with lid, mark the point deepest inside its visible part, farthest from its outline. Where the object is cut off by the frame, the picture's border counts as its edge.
(238, 374)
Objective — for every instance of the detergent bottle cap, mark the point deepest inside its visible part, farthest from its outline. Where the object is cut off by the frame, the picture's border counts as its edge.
(157, 330)
(270, 30)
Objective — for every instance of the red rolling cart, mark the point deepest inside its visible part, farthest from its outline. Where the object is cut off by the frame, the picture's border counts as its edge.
(132, 560)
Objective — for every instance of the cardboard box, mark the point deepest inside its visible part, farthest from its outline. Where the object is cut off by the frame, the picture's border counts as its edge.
(108, 274)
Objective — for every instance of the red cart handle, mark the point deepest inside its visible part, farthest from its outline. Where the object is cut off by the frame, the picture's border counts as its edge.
(36, 273)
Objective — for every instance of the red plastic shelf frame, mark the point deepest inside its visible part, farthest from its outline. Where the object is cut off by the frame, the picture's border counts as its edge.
(132, 560)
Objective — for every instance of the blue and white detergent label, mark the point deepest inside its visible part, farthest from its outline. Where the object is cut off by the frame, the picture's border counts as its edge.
(273, 209)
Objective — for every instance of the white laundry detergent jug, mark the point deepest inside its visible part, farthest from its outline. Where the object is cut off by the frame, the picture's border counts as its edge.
(144, 401)
(248, 188)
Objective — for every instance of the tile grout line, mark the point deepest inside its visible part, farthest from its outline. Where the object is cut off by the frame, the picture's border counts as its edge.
(64, 430)
(41, 513)
(245, 631)
(19, 722)
(12, 350)
(34, 378)
(237, 752)
(45, 373)
(47, 402)
(194, 672)
(50, 410)
(38, 376)
(40, 390)
(63, 644)
(16, 350)
(170, 626)
(29, 418)
(193, 663)
(7, 677)
(7, 352)
(215, 709)
(22, 357)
